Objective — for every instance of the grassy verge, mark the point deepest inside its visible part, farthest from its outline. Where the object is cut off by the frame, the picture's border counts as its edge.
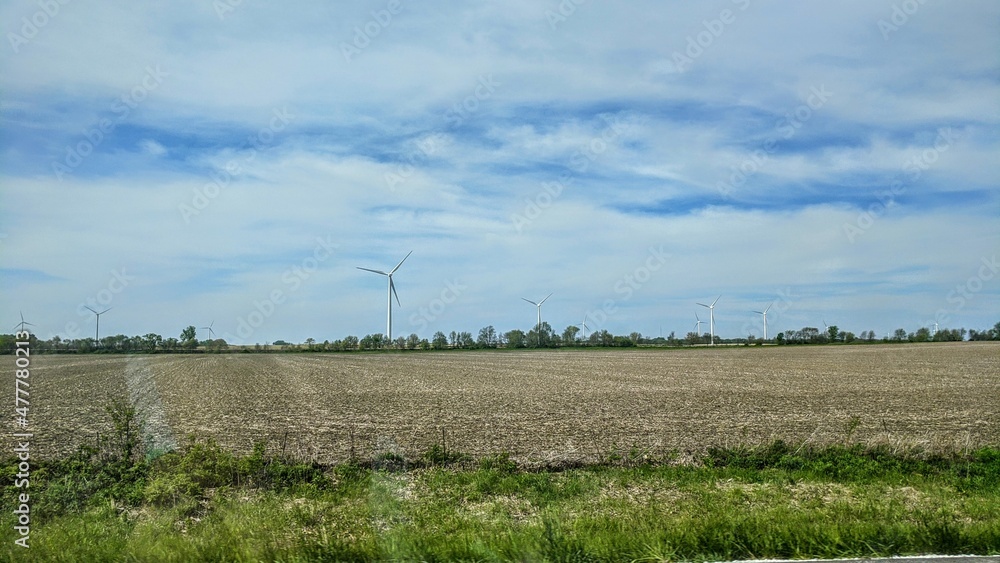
(204, 504)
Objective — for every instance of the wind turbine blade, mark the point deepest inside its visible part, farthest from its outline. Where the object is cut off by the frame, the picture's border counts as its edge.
(401, 262)
(716, 300)
(759, 312)
(106, 310)
(392, 286)
(703, 305)
(767, 309)
(543, 300)
(530, 301)
(370, 270)
(696, 316)
(89, 309)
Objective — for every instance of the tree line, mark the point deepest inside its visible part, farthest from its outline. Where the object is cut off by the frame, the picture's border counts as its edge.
(543, 336)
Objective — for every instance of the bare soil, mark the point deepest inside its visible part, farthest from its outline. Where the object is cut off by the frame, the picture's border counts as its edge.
(539, 406)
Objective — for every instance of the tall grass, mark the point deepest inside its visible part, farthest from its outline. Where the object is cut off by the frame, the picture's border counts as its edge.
(202, 503)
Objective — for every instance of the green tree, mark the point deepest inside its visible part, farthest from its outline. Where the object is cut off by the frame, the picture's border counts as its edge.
(487, 337)
(439, 341)
(833, 332)
(514, 338)
(569, 335)
(412, 341)
(189, 337)
(465, 340)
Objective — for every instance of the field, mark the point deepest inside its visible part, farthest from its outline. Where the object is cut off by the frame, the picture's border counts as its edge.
(541, 407)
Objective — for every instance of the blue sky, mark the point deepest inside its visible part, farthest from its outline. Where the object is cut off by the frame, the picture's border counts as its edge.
(191, 162)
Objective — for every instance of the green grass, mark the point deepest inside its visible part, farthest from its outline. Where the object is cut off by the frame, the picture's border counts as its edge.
(205, 504)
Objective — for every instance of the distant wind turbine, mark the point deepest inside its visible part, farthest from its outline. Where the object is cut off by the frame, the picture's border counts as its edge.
(539, 307)
(22, 323)
(391, 291)
(764, 313)
(711, 317)
(583, 324)
(697, 325)
(211, 333)
(97, 333)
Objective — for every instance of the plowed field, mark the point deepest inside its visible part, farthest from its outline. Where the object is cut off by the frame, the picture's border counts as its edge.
(540, 406)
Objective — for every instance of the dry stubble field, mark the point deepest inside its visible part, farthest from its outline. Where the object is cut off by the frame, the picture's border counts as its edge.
(540, 406)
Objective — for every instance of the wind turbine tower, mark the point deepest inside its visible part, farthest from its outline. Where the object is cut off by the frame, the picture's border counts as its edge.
(711, 317)
(391, 292)
(538, 329)
(764, 313)
(97, 332)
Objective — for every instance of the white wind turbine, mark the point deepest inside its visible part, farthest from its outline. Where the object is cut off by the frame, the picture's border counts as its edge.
(711, 317)
(538, 306)
(697, 325)
(97, 332)
(211, 333)
(764, 312)
(583, 324)
(392, 291)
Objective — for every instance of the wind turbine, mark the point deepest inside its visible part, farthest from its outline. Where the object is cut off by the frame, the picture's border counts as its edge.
(97, 333)
(211, 333)
(391, 291)
(697, 325)
(764, 312)
(711, 317)
(583, 324)
(539, 307)
(22, 323)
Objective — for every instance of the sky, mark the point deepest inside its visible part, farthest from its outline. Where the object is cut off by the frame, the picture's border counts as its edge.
(232, 163)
